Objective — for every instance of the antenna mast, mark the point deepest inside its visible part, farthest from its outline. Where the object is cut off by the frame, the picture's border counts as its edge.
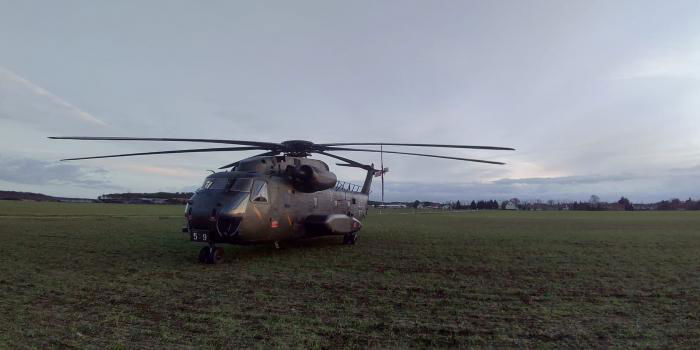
(381, 157)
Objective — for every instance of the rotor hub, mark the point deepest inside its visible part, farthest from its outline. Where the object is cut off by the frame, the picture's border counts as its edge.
(299, 148)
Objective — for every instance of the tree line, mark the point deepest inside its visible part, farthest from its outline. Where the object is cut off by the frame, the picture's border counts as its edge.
(158, 195)
(478, 205)
(594, 203)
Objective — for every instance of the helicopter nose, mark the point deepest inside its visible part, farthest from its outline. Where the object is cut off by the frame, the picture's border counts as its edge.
(203, 211)
(207, 212)
(200, 217)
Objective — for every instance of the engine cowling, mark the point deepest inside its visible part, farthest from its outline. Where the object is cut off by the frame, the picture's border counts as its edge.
(306, 178)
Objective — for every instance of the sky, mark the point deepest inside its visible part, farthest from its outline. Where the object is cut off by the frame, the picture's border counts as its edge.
(598, 97)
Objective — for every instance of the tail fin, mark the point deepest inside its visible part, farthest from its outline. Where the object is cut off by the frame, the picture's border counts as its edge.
(371, 171)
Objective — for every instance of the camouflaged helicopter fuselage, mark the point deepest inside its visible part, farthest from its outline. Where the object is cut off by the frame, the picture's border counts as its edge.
(257, 202)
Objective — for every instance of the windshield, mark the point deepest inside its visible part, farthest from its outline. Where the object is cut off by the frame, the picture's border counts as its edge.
(215, 183)
(241, 184)
(237, 204)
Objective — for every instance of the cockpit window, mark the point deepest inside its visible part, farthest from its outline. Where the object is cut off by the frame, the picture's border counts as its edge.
(259, 192)
(241, 184)
(215, 183)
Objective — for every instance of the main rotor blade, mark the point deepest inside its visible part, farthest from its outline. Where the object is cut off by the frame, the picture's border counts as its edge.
(412, 154)
(221, 149)
(271, 153)
(349, 161)
(264, 145)
(415, 145)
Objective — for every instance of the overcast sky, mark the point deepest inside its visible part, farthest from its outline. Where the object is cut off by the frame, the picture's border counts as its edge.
(598, 97)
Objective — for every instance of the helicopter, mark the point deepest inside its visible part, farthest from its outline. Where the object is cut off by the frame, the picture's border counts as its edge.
(279, 195)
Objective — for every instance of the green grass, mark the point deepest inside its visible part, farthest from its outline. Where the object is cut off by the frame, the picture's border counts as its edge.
(123, 276)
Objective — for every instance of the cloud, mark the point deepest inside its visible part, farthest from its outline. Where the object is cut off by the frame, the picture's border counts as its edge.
(566, 180)
(14, 87)
(690, 170)
(38, 172)
(165, 171)
(674, 64)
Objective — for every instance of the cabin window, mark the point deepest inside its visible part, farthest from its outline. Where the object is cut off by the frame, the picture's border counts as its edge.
(259, 192)
(315, 202)
(354, 201)
(241, 184)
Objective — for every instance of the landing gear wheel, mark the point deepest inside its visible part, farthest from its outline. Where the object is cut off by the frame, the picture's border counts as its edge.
(204, 255)
(211, 255)
(350, 238)
(216, 256)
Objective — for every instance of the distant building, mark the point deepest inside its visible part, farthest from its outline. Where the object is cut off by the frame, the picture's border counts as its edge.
(391, 206)
(74, 200)
(644, 206)
(153, 200)
(111, 199)
(616, 207)
(510, 206)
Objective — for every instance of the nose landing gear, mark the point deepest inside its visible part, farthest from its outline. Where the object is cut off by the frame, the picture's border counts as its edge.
(211, 255)
(350, 238)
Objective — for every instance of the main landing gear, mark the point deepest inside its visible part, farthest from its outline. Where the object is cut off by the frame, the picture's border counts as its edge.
(350, 238)
(211, 254)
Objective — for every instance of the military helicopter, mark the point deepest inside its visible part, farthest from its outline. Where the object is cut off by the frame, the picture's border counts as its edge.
(278, 195)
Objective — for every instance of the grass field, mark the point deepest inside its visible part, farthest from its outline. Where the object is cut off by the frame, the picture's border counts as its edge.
(123, 276)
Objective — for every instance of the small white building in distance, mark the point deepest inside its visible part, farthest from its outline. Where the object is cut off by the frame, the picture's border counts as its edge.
(511, 206)
(391, 206)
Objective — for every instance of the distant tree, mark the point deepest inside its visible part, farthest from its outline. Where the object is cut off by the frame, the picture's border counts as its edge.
(416, 203)
(673, 204)
(458, 205)
(676, 204)
(696, 205)
(473, 206)
(688, 205)
(626, 203)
